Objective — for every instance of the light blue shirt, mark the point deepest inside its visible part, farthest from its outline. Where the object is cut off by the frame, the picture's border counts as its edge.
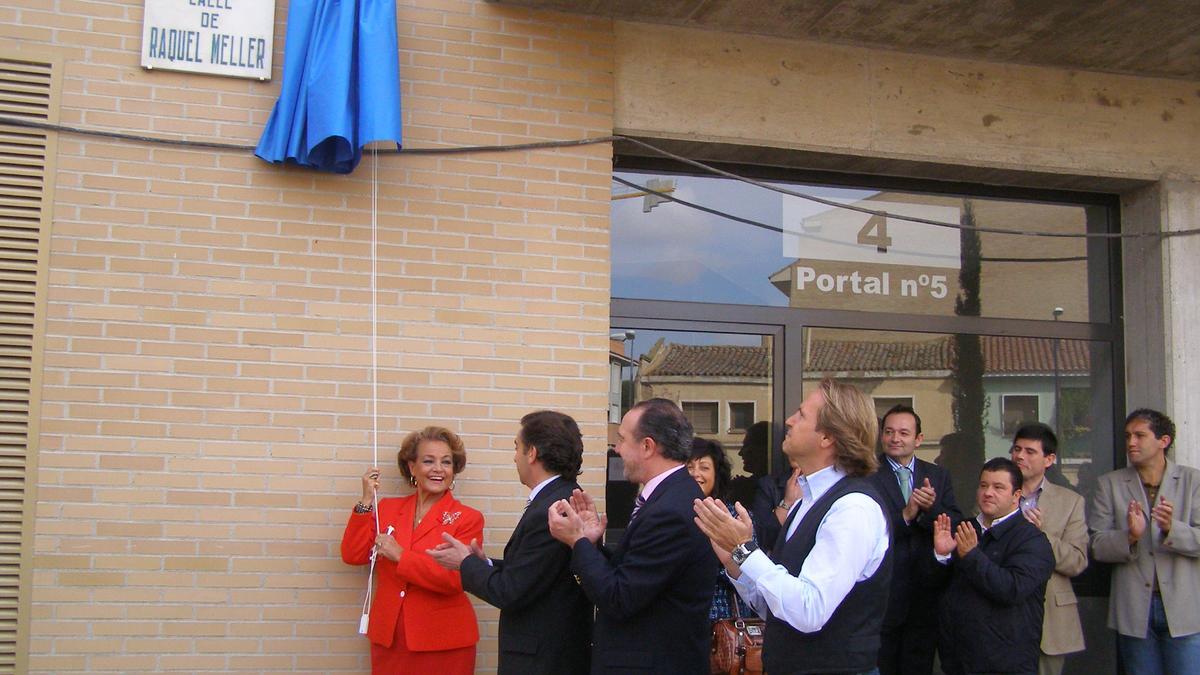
(851, 542)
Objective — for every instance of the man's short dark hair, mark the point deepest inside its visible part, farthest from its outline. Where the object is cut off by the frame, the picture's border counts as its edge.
(558, 441)
(1004, 464)
(1160, 424)
(722, 468)
(663, 421)
(897, 409)
(1036, 431)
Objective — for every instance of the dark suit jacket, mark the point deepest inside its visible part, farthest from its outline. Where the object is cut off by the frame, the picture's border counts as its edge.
(991, 612)
(545, 619)
(652, 593)
(913, 596)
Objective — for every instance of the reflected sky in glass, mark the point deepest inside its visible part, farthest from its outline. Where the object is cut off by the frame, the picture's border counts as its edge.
(679, 253)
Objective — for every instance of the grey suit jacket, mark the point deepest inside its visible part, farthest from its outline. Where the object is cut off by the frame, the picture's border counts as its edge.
(1175, 557)
(1063, 524)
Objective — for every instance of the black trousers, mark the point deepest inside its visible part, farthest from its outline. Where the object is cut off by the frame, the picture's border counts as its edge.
(908, 649)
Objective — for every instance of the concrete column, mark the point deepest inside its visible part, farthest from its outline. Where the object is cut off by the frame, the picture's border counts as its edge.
(1162, 314)
(1181, 281)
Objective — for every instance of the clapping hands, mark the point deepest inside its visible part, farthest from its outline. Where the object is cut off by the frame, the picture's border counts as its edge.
(964, 539)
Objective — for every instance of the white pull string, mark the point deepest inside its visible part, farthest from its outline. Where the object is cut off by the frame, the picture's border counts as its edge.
(366, 613)
(375, 320)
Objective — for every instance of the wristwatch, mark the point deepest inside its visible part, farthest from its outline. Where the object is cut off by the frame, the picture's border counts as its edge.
(783, 504)
(742, 552)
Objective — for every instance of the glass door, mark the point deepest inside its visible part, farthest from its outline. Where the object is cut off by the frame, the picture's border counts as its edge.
(724, 381)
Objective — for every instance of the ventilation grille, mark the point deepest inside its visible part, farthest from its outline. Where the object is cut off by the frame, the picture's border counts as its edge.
(26, 91)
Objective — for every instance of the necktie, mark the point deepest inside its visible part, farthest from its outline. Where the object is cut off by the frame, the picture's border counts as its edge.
(637, 506)
(904, 476)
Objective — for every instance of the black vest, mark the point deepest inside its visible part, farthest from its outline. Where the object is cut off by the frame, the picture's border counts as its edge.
(849, 641)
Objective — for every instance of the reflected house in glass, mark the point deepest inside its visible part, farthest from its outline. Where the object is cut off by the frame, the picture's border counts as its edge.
(1019, 383)
(1019, 379)
(722, 389)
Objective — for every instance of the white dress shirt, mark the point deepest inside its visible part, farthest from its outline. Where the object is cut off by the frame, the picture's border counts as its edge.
(851, 542)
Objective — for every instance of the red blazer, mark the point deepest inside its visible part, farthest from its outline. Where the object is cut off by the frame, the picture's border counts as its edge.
(437, 614)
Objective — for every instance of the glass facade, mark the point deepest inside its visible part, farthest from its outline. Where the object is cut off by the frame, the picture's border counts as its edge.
(980, 328)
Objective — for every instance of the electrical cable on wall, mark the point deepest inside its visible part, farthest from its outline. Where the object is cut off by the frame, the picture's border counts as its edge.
(546, 145)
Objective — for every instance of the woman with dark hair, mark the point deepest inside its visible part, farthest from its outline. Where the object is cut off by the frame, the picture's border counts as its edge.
(421, 620)
(709, 466)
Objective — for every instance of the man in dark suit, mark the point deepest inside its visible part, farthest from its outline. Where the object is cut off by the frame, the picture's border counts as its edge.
(653, 591)
(998, 565)
(915, 493)
(545, 619)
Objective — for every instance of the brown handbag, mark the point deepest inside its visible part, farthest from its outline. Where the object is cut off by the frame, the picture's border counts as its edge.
(737, 643)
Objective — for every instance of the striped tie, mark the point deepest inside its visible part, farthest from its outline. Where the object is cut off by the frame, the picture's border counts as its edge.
(637, 506)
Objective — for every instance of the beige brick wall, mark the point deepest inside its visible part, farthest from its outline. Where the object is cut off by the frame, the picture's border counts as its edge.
(207, 387)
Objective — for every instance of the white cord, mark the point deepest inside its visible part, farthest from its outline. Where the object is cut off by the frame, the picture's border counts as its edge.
(362, 624)
(375, 321)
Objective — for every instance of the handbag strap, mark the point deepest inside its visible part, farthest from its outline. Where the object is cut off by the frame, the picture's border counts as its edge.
(733, 598)
(739, 627)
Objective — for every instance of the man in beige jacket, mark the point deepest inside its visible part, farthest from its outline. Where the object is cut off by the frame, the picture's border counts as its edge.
(1145, 519)
(1059, 514)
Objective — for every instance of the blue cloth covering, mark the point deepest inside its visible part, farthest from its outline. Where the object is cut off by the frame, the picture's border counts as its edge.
(341, 84)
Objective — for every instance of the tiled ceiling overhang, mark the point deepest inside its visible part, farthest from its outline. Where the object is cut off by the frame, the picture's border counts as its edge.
(1150, 39)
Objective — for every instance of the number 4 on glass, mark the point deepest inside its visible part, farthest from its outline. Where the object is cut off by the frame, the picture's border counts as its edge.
(874, 232)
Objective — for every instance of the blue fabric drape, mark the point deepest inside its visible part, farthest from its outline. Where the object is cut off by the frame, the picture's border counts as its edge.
(341, 84)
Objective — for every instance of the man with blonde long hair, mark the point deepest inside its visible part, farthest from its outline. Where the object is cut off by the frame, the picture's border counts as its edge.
(824, 601)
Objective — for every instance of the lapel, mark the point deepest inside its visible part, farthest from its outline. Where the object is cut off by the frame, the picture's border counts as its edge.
(1170, 483)
(665, 486)
(1132, 489)
(402, 521)
(1053, 507)
(535, 514)
(1127, 488)
(1169, 490)
(432, 519)
(919, 472)
(668, 484)
(886, 481)
(890, 483)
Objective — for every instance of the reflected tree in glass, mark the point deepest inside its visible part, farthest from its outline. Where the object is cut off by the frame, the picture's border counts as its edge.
(964, 453)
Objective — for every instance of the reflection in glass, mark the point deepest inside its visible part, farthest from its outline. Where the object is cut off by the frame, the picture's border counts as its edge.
(1019, 380)
(723, 384)
(824, 257)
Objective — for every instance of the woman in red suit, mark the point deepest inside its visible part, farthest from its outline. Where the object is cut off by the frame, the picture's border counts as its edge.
(421, 621)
